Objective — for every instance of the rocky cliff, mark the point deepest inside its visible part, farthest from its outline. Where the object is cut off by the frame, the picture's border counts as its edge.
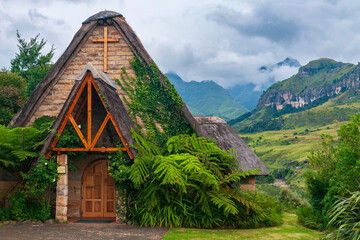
(319, 79)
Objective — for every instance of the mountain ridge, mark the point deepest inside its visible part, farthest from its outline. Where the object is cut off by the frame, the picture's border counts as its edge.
(315, 83)
(206, 98)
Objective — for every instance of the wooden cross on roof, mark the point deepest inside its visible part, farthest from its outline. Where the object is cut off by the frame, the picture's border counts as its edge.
(105, 40)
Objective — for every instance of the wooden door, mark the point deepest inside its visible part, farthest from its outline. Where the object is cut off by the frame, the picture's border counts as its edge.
(98, 191)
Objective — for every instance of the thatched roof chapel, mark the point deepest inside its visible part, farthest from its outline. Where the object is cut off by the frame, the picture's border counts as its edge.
(88, 55)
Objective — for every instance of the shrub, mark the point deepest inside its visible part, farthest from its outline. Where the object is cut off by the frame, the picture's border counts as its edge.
(5, 214)
(333, 168)
(19, 154)
(311, 218)
(33, 202)
(345, 216)
(291, 200)
(271, 190)
(268, 212)
(190, 182)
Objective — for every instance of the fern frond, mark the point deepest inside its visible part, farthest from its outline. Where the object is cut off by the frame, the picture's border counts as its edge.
(237, 174)
(23, 155)
(169, 171)
(221, 200)
(138, 172)
(7, 163)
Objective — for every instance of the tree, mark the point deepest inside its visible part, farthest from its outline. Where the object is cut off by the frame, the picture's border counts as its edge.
(12, 95)
(334, 169)
(30, 63)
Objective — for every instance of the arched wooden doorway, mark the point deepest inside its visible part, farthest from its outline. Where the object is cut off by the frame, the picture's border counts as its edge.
(98, 191)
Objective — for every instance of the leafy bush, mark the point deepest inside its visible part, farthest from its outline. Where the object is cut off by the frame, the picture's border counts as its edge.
(268, 212)
(345, 216)
(333, 168)
(33, 202)
(19, 155)
(20, 147)
(271, 190)
(5, 214)
(189, 183)
(311, 218)
(291, 200)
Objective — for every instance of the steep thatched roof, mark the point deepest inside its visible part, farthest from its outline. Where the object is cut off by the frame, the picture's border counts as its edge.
(115, 105)
(226, 138)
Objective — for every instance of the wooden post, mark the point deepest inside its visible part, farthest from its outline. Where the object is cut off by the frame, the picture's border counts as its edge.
(89, 114)
(62, 189)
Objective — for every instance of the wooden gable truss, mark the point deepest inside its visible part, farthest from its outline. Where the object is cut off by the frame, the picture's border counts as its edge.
(89, 143)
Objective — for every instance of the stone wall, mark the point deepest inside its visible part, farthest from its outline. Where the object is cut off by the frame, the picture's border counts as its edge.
(248, 184)
(119, 54)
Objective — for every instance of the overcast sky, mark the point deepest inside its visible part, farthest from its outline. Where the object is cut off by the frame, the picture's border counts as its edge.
(221, 40)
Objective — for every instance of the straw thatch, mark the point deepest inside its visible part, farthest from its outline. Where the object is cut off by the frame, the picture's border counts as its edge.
(226, 138)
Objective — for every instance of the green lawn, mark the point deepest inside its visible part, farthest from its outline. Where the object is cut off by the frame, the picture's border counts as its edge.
(289, 230)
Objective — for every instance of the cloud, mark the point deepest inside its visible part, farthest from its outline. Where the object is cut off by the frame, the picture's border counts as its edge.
(221, 40)
(263, 22)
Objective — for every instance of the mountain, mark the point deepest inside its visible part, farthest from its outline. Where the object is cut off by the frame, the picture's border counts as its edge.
(318, 94)
(245, 94)
(207, 98)
(248, 94)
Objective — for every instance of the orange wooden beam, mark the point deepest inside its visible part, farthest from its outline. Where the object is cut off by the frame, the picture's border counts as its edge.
(78, 131)
(89, 112)
(114, 122)
(121, 137)
(63, 124)
(104, 149)
(89, 145)
(86, 150)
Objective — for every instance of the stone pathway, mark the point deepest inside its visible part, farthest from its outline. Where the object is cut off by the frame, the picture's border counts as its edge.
(29, 231)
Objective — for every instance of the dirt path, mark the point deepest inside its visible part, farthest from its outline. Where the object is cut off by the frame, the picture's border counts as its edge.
(29, 231)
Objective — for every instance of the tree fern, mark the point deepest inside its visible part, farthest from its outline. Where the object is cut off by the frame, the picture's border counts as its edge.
(191, 183)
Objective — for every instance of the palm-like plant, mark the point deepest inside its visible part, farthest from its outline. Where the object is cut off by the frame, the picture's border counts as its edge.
(19, 147)
(345, 216)
(191, 183)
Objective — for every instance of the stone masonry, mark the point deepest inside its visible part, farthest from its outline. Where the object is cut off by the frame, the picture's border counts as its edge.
(62, 190)
(119, 55)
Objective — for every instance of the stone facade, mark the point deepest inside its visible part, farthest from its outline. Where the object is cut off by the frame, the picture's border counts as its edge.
(119, 55)
(62, 190)
(248, 184)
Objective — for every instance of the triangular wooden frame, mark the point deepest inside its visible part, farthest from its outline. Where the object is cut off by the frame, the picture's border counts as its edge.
(89, 144)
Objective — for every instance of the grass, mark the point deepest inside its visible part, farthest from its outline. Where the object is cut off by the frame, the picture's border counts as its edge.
(289, 230)
(288, 148)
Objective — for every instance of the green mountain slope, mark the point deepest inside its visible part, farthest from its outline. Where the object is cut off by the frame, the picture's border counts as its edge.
(317, 95)
(285, 151)
(207, 98)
